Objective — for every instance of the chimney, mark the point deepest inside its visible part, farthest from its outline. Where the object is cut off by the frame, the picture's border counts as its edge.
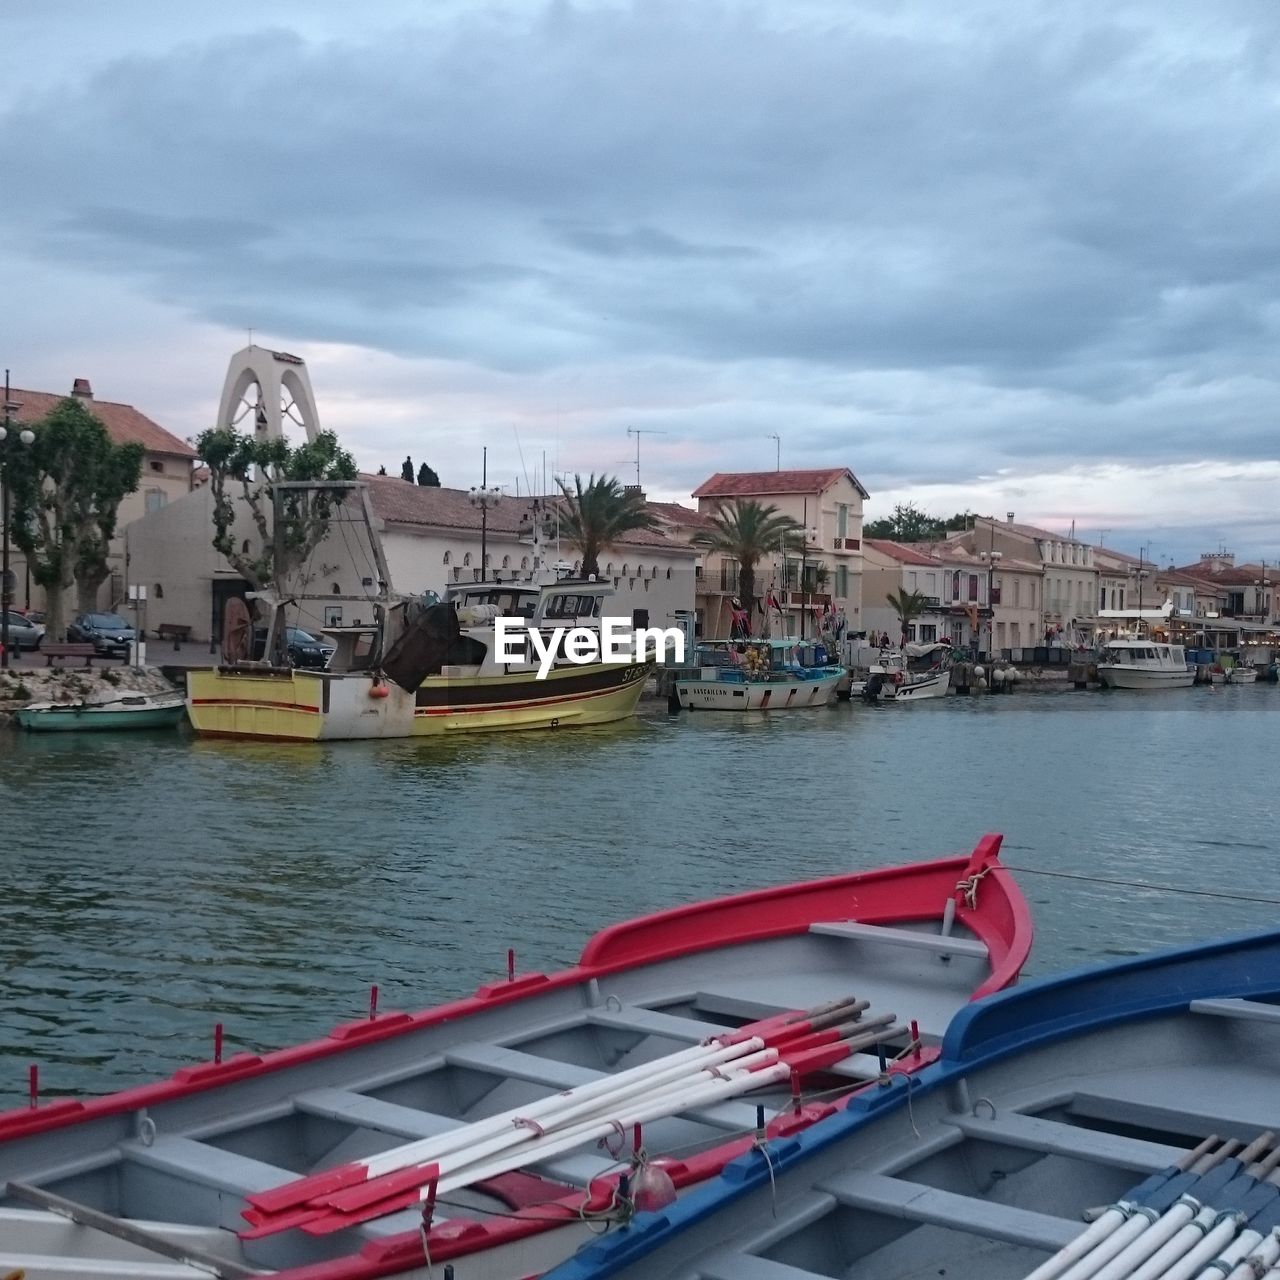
(81, 388)
(1008, 515)
(634, 488)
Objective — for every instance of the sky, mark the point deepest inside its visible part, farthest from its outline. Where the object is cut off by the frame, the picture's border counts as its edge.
(992, 257)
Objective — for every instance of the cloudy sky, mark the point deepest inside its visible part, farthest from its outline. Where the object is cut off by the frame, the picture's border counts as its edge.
(1005, 257)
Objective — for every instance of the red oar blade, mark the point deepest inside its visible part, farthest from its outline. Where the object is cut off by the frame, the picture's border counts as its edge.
(292, 1194)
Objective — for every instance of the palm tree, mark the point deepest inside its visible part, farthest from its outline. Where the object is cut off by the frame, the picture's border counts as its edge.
(597, 514)
(748, 531)
(907, 605)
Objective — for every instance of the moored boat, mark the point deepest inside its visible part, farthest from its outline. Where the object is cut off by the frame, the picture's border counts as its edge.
(1136, 663)
(793, 1000)
(913, 674)
(125, 711)
(1116, 1123)
(1242, 673)
(768, 675)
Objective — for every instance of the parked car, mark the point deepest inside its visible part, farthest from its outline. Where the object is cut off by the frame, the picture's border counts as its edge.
(109, 633)
(304, 649)
(23, 633)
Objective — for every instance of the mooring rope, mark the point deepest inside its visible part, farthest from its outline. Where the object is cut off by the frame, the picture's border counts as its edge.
(1142, 884)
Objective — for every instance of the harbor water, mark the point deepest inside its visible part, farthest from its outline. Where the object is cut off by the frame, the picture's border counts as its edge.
(152, 885)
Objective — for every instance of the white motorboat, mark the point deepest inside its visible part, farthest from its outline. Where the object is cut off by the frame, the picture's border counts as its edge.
(894, 678)
(1242, 674)
(1144, 664)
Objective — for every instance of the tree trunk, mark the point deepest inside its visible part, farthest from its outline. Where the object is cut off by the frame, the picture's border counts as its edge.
(590, 563)
(55, 620)
(747, 591)
(87, 588)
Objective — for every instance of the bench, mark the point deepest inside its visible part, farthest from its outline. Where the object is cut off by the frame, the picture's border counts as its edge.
(178, 632)
(52, 649)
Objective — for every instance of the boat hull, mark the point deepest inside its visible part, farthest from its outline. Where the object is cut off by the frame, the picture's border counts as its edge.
(756, 695)
(307, 706)
(1242, 675)
(90, 720)
(1119, 676)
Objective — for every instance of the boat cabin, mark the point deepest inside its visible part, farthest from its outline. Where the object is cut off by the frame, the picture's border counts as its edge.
(1144, 653)
(566, 603)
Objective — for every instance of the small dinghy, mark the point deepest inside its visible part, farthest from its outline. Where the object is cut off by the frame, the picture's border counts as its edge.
(497, 1133)
(1120, 1123)
(127, 711)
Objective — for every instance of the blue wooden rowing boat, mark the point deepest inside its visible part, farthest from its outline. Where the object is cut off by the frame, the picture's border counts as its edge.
(1117, 1122)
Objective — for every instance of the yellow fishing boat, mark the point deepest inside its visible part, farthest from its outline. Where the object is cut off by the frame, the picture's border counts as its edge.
(442, 674)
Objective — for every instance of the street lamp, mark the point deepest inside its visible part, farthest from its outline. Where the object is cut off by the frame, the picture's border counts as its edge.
(7, 441)
(484, 498)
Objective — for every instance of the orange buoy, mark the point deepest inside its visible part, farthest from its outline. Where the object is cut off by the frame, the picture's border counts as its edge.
(379, 691)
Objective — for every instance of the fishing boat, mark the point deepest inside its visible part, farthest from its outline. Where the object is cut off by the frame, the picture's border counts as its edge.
(125, 711)
(498, 1132)
(759, 675)
(1137, 663)
(912, 674)
(1242, 673)
(1116, 1123)
(423, 667)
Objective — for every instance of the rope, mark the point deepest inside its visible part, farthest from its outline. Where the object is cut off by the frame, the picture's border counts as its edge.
(969, 887)
(1141, 884)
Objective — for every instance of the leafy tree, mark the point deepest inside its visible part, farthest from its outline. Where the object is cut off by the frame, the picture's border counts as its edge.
(247, 465)
(958, 523)
(595, 515)
(748, 531)
(908, 605)
(427, 478)
(382, 471)
(406, 470)
(907, 524)
(66, 491)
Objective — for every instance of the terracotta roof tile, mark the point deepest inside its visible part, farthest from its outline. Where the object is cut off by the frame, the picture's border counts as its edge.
(900, 552)
(399, 502)
(676, 513)
(124, 423)
(760, 484)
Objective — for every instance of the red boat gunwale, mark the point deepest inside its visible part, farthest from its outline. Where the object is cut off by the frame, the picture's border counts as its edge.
(885, 896)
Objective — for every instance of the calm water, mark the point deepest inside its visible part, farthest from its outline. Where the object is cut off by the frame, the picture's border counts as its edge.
(152, 885)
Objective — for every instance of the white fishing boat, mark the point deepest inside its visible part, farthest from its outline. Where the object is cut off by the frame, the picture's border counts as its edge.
(917, 672)
(1242, 673)
(767, 675)
(1136, 663)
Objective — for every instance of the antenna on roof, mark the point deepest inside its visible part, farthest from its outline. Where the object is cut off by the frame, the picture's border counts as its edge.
(638, 432)
(777, 440)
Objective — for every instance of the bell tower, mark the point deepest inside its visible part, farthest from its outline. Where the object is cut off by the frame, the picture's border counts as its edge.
(272, 386)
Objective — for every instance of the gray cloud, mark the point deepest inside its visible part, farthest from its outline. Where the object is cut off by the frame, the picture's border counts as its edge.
(927, 242)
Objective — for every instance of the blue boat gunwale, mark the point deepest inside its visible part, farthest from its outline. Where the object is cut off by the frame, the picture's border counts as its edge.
(982, 1033)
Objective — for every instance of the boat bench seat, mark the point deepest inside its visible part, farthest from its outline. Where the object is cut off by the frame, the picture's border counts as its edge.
(1246, 1010)
(1056, 1138)
(653, 1022)
(899, 1198)
(364, 1112)
(200, 1172)
(883, 934)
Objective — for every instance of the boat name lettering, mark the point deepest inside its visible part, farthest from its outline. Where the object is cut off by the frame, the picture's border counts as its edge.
(617, 640)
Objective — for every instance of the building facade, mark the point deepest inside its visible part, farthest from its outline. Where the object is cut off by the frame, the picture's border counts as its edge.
(166, 476)
(825, 574)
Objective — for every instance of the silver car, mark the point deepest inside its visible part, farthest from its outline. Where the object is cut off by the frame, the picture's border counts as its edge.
(24, 634)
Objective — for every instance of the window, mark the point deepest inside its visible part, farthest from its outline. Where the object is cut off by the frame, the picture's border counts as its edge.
(466, 560)
(973, 586)
(1102, 603)
(911, 632)
(955, 585)
(156, 498)
(506, 562)
(1031, 593)
(157, 592)
(157, 466)
(446, 557)
(842, 520)
(842, 582)
(928, 633)
(1017, 585)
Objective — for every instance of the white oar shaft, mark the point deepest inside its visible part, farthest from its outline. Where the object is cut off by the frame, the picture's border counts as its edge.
(685, 1063)
(1156, 1234)
(1076, 1249)
(1208, 1248)
(1115, 1243)
(1176, 1247)
(1267, 1255)
(558, 1144)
